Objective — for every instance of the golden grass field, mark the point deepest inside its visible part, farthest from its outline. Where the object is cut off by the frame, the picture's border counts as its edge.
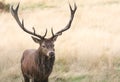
(88, 52)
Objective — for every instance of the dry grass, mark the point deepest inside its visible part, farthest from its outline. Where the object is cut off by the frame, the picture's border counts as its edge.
(88, 52)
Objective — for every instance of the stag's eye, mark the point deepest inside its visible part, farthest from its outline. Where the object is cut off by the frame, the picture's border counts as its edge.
(43, 46)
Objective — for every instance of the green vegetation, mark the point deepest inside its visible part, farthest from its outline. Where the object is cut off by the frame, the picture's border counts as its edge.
(77, 79)
(37, 5)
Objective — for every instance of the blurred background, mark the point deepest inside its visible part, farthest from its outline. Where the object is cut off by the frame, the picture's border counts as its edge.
(88, 52)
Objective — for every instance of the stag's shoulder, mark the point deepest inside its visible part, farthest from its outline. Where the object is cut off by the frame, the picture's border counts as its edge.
(29, 52)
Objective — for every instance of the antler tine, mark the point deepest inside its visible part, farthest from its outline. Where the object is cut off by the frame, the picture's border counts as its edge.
(45, 33)
(75, 7)
(70, 7)
(69, 23)
(34, 30)
(52, 32)
(21, 24)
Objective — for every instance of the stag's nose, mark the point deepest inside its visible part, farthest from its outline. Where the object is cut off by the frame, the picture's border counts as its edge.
(51, 54)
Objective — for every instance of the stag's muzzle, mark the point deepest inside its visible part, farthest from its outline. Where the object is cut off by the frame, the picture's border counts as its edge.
(51, 54)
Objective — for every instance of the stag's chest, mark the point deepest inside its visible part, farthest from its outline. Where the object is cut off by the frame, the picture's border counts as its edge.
(44, 66)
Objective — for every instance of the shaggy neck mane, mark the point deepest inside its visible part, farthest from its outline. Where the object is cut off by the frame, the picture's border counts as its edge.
(44, 63)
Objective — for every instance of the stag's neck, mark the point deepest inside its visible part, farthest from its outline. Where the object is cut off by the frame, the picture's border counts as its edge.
(44, 63)
(39, 52)
(41, 57)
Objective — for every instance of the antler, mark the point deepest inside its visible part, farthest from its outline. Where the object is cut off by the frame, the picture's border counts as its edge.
(21, 24)
(69, 23)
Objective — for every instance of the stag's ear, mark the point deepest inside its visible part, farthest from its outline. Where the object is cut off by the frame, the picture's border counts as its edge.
(36, 40)
(54, 38)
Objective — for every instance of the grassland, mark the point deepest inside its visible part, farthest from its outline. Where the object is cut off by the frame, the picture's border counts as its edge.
(88, 52)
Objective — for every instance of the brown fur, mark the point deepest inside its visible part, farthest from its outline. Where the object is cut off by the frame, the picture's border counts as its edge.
(37, 64)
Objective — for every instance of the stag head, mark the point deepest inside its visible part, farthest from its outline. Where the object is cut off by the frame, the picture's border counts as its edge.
(46, 44)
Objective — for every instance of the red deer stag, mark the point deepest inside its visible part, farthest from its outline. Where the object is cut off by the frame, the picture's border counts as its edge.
(37, 64)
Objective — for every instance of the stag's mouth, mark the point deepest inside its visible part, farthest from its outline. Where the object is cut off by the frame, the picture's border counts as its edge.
(51, 54)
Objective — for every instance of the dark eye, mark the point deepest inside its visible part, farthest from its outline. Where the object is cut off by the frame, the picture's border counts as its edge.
(43, 46)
